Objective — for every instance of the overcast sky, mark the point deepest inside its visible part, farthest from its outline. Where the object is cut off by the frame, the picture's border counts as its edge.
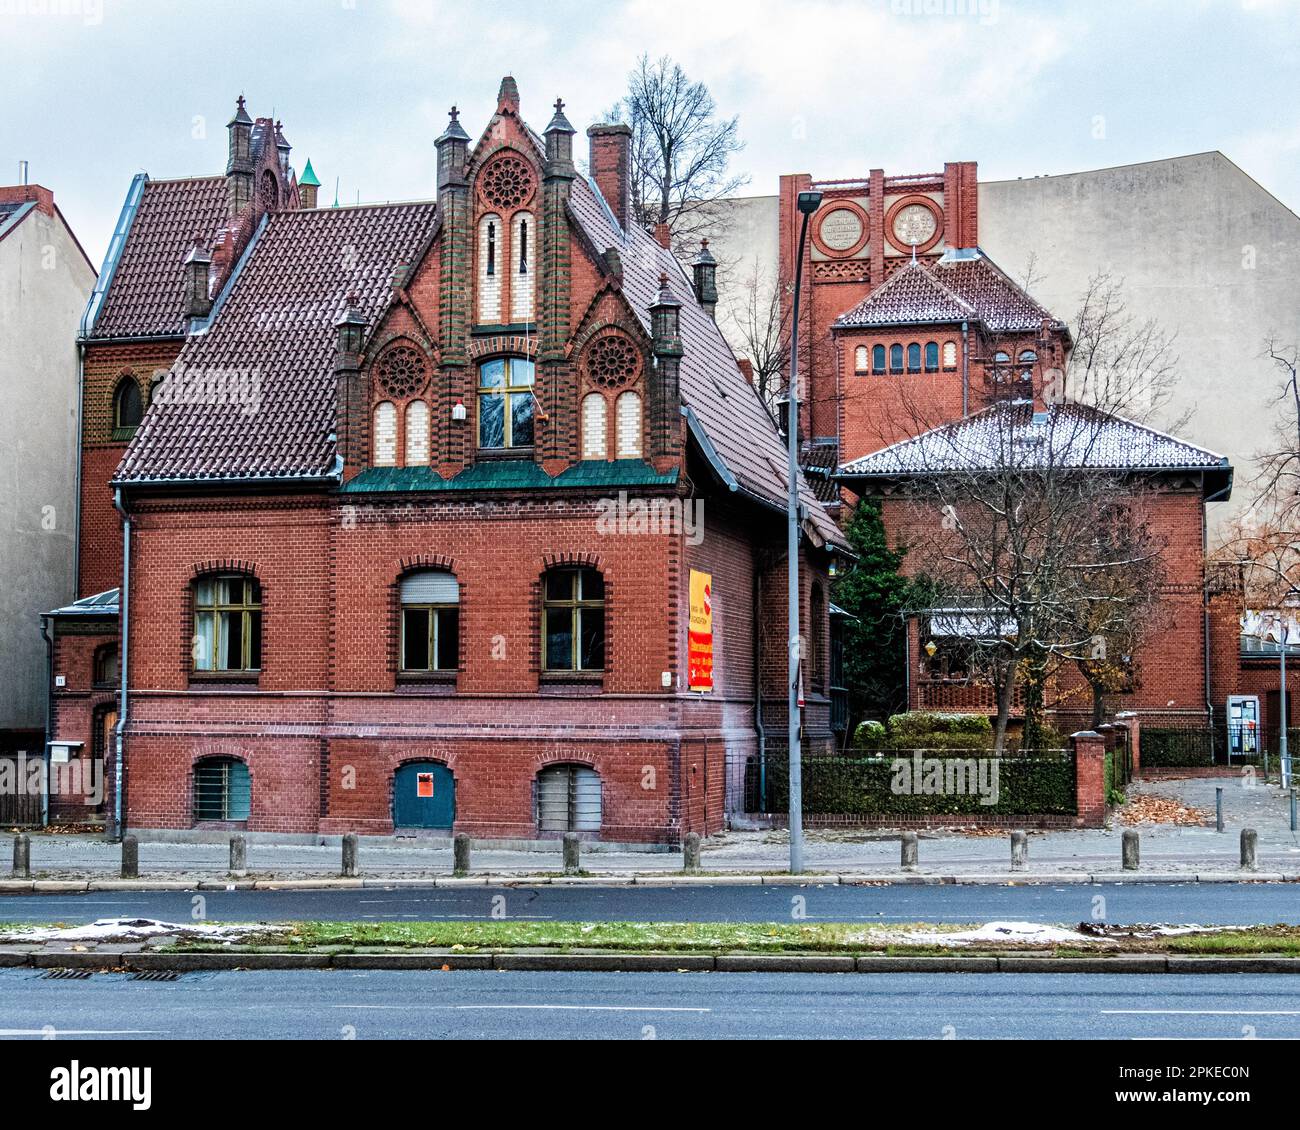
(97, 90)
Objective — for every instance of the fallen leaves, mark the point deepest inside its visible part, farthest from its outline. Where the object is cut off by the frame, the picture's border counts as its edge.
(1153, 809)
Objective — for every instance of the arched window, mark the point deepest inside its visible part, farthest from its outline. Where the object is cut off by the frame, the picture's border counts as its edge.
(430, 622)
(895, 358)
(627, 426)
(573, 620)
(931, 356)
(595, 429)
(1028, 359)
(860, 359)
(417, 433)
(385, 454)
(950, 355)
(489, 276)
(227, 623)
(128, 407)
(505, 403)
(878, 358)
(221, 789)
(914, 358)
(105, 666)
(568, 799)
(521, 285)
(1001, 360)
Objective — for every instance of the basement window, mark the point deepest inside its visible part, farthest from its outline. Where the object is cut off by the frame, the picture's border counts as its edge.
(221, 790)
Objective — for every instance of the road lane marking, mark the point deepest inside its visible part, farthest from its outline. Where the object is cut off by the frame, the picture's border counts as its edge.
(81, 1032)
(535, 1007)
(1197, 1012)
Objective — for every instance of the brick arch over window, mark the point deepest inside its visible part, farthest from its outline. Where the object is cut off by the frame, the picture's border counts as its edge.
(426, 561)
(225, 565)
(126, 407)
(571, 558)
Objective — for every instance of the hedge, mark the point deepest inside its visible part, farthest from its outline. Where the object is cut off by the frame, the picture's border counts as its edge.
(1175, 748)
(855, 786)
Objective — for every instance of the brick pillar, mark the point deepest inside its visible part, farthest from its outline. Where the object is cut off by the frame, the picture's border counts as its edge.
(1089, 778)
(1130, 722)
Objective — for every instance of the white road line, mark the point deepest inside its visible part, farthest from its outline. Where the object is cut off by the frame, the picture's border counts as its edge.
(82, 1032)
(536, 1007)
(1197, 1012)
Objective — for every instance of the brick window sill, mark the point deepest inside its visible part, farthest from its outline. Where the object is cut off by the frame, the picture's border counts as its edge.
(571, 682)
(229, 679)
(427, 682)
(486, 453)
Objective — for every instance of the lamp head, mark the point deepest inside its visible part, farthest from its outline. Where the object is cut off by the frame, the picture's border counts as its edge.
(809, 202)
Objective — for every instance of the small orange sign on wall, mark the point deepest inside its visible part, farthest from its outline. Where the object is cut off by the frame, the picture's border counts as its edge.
(424, 784)
(699, 640)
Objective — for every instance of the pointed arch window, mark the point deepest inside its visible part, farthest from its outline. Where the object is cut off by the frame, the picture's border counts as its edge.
(417, 433)
(521, 285)
(489, 276)
(128, 407)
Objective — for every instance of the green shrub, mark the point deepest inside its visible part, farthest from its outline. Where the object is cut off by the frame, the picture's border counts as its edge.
(860, 786)
(1175, 748)
(927, 722)
(869, 735)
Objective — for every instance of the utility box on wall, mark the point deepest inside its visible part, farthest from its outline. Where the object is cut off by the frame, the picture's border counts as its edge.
(1243, 725)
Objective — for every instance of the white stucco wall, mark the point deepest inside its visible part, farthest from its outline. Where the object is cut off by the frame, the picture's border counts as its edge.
(44, 283)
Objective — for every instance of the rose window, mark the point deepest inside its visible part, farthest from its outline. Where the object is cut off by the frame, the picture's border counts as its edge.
(402, 372)
(613, 361)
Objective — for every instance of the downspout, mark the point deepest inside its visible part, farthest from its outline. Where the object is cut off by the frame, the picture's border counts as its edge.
(965, 369)
(49, 718)
(758, 689)
(124, 663)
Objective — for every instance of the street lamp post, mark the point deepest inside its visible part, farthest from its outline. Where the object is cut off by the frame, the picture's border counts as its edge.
(808, 203)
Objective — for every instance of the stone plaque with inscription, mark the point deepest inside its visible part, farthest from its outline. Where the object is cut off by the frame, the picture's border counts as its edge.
(841, 229)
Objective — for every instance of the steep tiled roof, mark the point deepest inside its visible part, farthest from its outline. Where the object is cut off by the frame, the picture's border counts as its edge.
(910, 295)
(961, 285)
(1071, 436)
(253, 396)
(147, 295)
(712, 386)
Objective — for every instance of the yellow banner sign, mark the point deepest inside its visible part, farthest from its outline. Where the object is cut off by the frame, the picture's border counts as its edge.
(699, 642)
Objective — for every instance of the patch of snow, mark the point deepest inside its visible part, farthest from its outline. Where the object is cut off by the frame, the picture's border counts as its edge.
(1020, 933)
(133, 929)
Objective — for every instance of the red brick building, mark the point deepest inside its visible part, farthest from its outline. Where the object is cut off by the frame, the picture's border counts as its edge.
(405, 504)
(921, 350)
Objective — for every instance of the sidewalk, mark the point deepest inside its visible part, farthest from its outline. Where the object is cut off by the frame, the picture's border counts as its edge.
(1168, 852)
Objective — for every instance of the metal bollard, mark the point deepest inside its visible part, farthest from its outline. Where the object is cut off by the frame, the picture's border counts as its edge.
(350, 868)
(691, 853)
(1131, 850)
(460, 854)
(1218, 808)
(572, 856)
(1019, 851)
(238, 855)
(1249, 845)
(130, 857)
(909, 851)
(22, 856)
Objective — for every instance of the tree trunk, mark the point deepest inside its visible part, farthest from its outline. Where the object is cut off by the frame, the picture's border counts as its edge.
(1098, 705)
(1035, 678)
(1005, 691)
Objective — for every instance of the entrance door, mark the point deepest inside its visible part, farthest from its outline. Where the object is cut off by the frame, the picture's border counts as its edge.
(424, 796)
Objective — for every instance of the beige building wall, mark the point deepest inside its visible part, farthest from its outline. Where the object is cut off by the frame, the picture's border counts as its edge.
(1202, 249)
(44, 284)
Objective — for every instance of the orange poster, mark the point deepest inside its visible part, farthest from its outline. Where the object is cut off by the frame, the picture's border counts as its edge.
(699, 642)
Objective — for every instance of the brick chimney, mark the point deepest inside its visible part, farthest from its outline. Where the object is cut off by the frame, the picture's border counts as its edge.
(239, 165)
(350, 416)
(611, 167)
(198, 273)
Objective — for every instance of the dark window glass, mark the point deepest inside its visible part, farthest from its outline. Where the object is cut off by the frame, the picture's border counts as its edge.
(415, 639)
(931, 356)
(128, 409)
(895, 358)
(574, 620)
(491, 249)
(227, 624)
(914, 358)
(878, 358)
(523, 247)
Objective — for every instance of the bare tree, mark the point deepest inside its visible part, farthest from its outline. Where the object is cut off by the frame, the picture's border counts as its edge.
(762, 334)
(681, 150)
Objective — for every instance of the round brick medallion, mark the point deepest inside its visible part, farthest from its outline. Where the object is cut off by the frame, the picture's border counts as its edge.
(402, 372)
(612, 362)
(507, 182)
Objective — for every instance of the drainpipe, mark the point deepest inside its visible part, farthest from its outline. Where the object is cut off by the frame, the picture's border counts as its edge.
(49, 718)
(758, 689)
(965, 369)
(124, 663)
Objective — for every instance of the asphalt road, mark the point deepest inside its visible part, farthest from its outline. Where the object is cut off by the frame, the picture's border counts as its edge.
(388, 1005)
(1206, 904)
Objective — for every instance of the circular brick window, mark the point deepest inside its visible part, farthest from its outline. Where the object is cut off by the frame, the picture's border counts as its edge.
(402, 372)
(613, 361)
(507, 182)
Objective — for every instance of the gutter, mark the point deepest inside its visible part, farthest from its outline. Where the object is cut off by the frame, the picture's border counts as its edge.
(758, 688)
(1218, 496)
(124, 664)
(76, 501)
